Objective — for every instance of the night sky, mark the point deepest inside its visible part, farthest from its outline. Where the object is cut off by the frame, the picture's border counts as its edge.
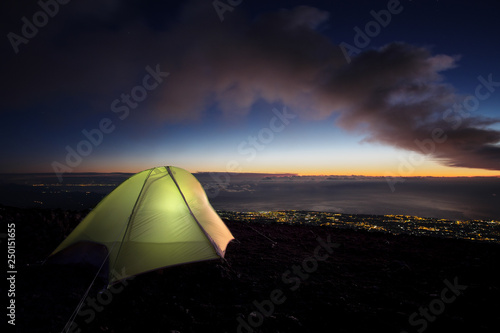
(409, 88)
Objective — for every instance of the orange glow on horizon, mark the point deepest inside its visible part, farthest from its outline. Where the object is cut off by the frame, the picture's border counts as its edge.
(432, 170)
(440, 173)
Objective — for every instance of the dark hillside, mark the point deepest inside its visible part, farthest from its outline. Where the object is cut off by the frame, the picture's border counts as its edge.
(370, 282)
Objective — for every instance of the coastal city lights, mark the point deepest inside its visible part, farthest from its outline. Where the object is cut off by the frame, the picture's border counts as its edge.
(475, 230)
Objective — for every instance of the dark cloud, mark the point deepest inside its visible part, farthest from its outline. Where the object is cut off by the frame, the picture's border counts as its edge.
(401, 102)
(394, 95)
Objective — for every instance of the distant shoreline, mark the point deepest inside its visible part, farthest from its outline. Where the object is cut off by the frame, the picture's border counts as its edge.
(456, 198)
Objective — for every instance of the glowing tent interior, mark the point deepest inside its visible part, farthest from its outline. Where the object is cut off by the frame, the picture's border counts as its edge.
(157, 218)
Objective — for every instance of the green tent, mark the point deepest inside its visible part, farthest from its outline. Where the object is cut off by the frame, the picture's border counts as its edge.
(157, 218)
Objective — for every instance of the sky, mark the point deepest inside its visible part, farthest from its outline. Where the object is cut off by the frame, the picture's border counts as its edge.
(377, 88)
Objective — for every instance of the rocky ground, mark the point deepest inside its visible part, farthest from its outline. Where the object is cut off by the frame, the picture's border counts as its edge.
(276, 278)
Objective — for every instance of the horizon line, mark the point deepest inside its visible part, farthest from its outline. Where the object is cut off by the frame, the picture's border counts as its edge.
(275, 174)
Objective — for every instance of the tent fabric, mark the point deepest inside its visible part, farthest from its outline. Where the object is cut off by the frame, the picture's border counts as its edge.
(157, 218)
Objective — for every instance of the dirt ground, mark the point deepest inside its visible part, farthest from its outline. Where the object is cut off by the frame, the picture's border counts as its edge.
(275, 278)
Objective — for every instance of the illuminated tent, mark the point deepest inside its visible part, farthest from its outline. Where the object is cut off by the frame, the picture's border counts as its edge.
(157, 218)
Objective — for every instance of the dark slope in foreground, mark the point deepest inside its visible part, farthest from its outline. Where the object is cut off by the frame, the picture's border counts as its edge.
(372, 282)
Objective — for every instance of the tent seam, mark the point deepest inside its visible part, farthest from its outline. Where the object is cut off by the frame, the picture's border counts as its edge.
(214, 244)
(130, 219)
